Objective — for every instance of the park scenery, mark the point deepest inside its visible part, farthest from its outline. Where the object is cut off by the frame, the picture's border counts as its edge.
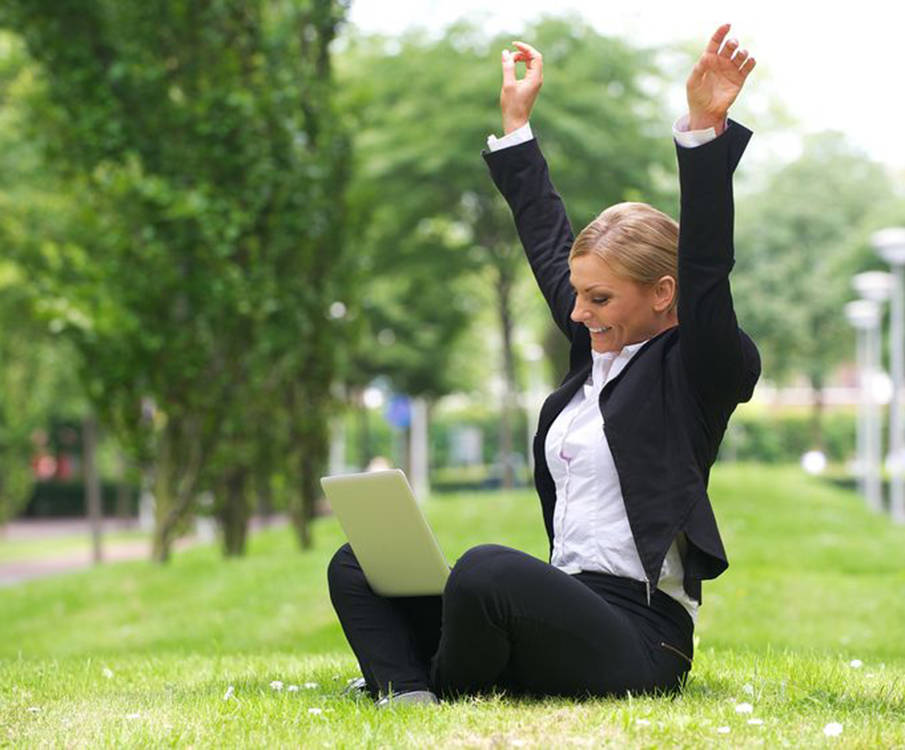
(248, 244)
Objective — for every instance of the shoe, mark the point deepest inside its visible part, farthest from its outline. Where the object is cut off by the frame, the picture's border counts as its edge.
(412, 697)
(356, 687)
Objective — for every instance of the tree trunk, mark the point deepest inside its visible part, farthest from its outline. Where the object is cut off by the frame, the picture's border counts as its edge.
(92, 486)
(364, 434)
(817, 411)
(235, 513)
(265, 497)
(510, 389)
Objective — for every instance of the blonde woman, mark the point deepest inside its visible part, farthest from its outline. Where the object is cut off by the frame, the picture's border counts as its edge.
(624, 445)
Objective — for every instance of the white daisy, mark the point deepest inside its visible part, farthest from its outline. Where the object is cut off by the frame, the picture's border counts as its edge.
(833, 729)
(744, 708)
(276, 685)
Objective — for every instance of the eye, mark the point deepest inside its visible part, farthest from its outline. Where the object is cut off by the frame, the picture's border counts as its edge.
(600, 300)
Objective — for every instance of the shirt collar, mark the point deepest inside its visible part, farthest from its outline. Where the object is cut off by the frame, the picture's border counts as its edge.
(607, 365)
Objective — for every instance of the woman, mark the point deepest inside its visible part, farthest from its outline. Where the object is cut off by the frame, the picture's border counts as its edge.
(624, 445)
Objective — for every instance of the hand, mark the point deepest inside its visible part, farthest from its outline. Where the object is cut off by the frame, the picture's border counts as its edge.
(517, 96)
(715, 81)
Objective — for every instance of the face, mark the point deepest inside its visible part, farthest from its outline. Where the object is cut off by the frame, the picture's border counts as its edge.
(616, 310)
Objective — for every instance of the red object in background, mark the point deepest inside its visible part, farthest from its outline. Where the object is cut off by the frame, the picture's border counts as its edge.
(64, 466)
(44, 466)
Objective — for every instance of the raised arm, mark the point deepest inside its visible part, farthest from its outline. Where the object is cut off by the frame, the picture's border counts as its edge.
(721, 361)
(520, 173)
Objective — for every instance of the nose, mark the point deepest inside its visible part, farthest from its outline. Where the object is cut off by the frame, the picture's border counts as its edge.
(579, 313)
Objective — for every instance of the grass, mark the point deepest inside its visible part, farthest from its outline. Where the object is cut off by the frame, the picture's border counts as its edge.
(131, 654)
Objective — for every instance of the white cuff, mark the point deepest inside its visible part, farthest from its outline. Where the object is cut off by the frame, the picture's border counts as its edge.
(691, 138)
(517, 136)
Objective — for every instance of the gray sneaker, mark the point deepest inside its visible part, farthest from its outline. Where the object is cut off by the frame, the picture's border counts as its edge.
(356, 688)
(412, 697)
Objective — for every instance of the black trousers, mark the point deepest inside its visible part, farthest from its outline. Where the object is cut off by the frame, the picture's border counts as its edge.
(510, 622)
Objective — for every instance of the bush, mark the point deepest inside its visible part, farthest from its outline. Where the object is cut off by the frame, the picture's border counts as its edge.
(778, 437)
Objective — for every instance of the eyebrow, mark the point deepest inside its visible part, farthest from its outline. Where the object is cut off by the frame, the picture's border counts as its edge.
(587, 288)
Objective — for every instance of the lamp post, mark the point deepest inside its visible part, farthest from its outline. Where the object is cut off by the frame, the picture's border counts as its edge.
(890, 245)
(864, 315)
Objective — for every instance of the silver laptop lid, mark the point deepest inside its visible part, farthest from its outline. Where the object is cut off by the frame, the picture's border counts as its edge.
(394, 544)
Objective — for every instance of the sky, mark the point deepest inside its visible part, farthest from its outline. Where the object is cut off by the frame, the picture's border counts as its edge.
(835, 69)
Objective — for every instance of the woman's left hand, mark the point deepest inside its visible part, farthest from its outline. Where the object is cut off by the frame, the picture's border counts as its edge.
(716, 80)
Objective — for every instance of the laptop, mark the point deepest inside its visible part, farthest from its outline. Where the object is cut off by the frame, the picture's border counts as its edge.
(388, 533)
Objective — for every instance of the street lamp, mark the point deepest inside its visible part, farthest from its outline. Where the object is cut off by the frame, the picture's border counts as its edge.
(864, 315)
(890, 245)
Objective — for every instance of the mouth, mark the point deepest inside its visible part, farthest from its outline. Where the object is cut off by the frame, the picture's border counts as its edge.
(598, 330)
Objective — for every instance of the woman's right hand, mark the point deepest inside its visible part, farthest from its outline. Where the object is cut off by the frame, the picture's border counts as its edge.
(517, 96)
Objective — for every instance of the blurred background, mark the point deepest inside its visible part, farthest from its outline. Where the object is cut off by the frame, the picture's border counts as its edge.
(247, 244)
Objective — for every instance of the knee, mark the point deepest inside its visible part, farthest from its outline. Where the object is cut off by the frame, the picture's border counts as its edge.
(480, 568)
(342, 567)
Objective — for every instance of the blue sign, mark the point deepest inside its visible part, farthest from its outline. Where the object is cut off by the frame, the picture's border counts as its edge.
(399, 412)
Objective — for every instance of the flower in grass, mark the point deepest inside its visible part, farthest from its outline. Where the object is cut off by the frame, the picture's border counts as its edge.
(856, 664)
(722, 730)
(230, 692)
(744, 708)
(833, 729)
(310, 685)
(133, 716)
(748, 688)
(108, 673)
(755, 722)
(293, 688)
(642, 722)
(315, 711)
(34, 709)
(276, 685)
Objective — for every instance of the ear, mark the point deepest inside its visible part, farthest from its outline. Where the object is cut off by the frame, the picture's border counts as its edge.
(664, 291)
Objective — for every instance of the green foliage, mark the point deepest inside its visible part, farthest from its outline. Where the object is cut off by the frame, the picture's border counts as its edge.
(201, 239)
(796, 247)
(781, 438)
(437, 241)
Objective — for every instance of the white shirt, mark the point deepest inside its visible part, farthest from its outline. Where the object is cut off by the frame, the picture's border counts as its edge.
(590, 527)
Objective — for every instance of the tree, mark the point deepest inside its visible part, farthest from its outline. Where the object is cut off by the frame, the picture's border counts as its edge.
(36, 369)
(795, 255)
(204, 242)
(433, 215)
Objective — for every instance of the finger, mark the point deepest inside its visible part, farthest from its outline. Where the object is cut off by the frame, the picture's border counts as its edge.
(740, 57)
(508, 68)
(748, 66)
(534, 59)
(728, 48)
(717, 39)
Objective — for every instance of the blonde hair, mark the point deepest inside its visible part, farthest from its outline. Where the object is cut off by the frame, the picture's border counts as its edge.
(639, 242)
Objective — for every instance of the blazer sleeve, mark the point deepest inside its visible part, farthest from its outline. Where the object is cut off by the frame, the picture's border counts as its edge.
(521, 175)
(721, 362)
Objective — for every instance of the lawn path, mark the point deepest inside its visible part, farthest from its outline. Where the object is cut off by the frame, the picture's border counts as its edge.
(73, 535)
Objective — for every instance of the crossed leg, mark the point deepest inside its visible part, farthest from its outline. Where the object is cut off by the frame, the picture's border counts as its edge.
(506, 620)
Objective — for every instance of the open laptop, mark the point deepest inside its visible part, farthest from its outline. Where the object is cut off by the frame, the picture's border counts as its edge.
(390, 536)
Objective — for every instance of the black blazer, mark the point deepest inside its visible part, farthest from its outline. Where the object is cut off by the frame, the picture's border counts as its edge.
(665, 414)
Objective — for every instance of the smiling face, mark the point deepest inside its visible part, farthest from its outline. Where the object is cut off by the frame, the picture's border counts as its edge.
(617, 310)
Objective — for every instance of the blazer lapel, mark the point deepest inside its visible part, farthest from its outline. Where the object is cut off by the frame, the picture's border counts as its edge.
(560, 397)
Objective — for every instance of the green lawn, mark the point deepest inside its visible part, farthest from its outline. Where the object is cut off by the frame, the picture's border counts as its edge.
(131, 654)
